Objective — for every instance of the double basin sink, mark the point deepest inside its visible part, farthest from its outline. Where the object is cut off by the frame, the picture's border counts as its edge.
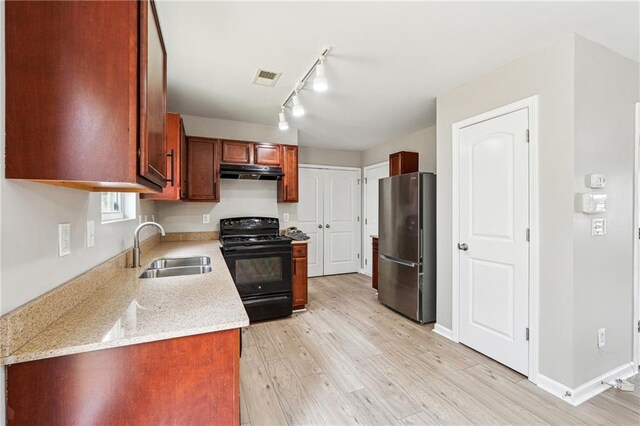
(179, 266)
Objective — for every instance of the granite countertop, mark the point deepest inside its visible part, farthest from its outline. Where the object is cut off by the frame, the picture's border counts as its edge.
(128, 310)
(374, 236)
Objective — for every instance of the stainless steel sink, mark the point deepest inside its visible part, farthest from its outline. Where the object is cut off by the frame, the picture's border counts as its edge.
(177, 262)
(176, 271)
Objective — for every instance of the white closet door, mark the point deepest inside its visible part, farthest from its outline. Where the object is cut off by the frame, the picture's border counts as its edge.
(310, 216)
(341, 221)
(370, 214)
(494, 217)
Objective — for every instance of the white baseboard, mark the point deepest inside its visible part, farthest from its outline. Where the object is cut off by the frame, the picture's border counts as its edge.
(443, 331)
(587, 390)
(363, 272)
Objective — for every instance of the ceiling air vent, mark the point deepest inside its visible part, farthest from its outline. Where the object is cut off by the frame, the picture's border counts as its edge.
(266, 77)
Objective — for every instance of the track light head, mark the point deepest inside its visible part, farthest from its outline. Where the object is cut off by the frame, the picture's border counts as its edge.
(283, 124)
(320, 83)
(298, 109)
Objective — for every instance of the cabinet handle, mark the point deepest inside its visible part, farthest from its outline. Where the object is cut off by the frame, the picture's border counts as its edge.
(173, 167)
(286, 192)
(294, 267)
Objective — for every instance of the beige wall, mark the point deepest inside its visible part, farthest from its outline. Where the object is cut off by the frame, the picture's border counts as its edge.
(547, 73)
(423, 142)
(606, 90)
(238, 130)
(329, 157)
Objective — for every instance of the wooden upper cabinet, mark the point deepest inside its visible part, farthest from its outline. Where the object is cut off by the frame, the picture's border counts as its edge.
(176, 161)
(403, 162)
(266, 154)
(153, 96)
(236, 152)
(85, 95)
(203, 169)
(288, 186)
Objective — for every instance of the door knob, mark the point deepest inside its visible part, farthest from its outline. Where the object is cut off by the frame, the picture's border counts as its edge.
(327, 225)
(320, 225)
(463, 246)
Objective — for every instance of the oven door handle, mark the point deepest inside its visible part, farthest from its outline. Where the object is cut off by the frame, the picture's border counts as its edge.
(257, 247)
(262, 300)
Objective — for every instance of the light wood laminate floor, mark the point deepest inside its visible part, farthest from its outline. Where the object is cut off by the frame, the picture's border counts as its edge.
(350, 360)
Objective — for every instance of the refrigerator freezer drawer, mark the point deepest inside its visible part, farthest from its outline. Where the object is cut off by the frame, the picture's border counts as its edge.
(398, 285)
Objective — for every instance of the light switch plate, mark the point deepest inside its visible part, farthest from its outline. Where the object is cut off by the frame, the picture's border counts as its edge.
(91, 233)
(598, 227)
(285, 217)
(64, 239)
(206, 218)
(597, 180)
(601, 337)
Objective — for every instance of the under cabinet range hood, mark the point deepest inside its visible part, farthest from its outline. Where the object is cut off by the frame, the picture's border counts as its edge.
(251, 172)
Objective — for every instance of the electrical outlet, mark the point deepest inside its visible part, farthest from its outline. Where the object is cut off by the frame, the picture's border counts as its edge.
(91, 233)
(64, 239)
(601, 337)
(598, 226)
(153, 218)
(285, 217)
(206, 218)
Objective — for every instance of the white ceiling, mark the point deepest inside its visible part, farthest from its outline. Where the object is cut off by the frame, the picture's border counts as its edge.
(388, 64)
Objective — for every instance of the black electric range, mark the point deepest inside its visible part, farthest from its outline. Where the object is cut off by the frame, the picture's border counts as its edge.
(260, 262)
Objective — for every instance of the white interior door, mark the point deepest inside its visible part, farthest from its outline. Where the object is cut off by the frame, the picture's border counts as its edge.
(494, 248)
(370, 212)
(311, 216)
(341, 221)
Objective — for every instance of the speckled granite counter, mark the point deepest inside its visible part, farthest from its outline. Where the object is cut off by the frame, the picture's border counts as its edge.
(128, 310)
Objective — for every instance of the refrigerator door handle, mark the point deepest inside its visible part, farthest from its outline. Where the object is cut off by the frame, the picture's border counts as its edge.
(401, 262)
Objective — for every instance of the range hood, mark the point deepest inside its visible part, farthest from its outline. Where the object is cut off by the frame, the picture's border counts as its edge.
(238, 171)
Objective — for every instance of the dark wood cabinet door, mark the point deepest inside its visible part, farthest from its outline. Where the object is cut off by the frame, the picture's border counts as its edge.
(299, 296)
(203, 169)
(288, 187)
(374, 263)
(266, 154)
(183, 162)
(193, 380)
(403, 162)
(153, 97)
(175, 161)
(236, 152)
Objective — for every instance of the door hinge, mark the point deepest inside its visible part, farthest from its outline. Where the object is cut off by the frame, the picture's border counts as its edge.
(639, 233)
(528, 235)
(527, 334)
(638, 326)
(365, 220)
(358, 218)
(358, 181)
(358, 255)
(365, 261)
(365, 181)
(527, 135)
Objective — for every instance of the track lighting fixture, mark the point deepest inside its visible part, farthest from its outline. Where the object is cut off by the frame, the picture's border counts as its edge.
(283, 124)
(320, 84)
(298, 109)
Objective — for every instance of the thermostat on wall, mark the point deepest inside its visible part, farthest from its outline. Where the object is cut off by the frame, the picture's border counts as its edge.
(597, 180)
(594, 203)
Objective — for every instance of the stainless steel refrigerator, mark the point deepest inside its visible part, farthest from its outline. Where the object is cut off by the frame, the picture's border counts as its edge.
(407, 245)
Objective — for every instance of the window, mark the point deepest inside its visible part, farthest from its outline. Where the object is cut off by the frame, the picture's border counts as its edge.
(118, 206)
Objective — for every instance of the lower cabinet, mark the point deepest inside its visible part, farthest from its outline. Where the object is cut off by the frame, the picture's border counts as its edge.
(374, 263)
(299, 297)
(185, 380)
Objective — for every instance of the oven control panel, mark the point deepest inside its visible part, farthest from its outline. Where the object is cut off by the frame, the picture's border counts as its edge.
(249, 223)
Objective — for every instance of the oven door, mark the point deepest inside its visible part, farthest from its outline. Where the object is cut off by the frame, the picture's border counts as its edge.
(260, 270)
